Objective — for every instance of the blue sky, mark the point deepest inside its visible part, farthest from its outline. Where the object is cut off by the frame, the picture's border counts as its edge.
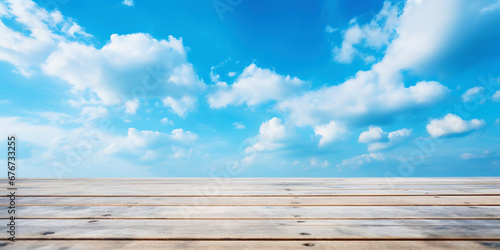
(251, 88)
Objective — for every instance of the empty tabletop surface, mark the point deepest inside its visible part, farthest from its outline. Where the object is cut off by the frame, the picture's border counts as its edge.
(254, 213)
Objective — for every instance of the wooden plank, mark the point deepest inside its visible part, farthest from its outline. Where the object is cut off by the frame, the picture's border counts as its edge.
(258, 213)
(291, 188)
(261, 201)
(230, 245)
(217, 192)
(264, 181)
(254, 212)
(257, 229)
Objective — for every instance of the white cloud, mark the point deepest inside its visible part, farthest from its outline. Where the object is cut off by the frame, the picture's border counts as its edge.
(154, 139)
(151, 145)
(214, 77)
(329, 29)
(165, 121)
(369, 59)
(377, 139)
(51, 149)
(76, 29)
(271, 133)
(254, 86)
(93, 112)
(181, 106)
(452, 125)
(472, 93)
(181, 153)
(131, 106)
(374, 134)
(394, 138)
(30, 132)
(44, 31)
(359, 160)
(421, 34)
(330, 132)
(183, 136)
(496, 96)
(375, 34)
(231, 74)
(129, 3)
(129, 67)
(55, 117)
(370, 94)
(315, 163)
(238, 125)
(483, 155)
(271, 137)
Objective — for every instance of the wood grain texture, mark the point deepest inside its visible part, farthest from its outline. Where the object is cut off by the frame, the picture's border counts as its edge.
(242, 244)
(257, 229)
(262, 201)
(261, 212)
(257, 213)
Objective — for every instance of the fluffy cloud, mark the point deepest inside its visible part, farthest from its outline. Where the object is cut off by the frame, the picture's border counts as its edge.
(374, 134)
(131, 106)
(330, 132)
(150, 145)
(93, 112)
(238, 125)
(129, 3)
(165, 121)
(271, 133)
(370, 94)
(421, 41)
(394, 138)
(51, 150)
(452, 125)
(472, 93)
(30, 132)
(44, 31)
(377, 139)
(183, 136)
(376, 34)
(129, 67)
(254, 86)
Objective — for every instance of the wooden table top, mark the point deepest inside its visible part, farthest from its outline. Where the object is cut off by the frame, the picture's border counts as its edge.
(256, 213)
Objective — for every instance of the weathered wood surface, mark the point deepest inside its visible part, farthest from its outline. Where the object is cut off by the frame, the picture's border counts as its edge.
(263, 201)
(260, 213)
(278, 245)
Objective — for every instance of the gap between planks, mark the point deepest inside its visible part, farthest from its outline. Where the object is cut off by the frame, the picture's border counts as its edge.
(301, 219)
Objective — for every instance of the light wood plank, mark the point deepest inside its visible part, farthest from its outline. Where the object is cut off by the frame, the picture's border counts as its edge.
(263, 181)
(254, 212)
(201, 188)
(218, 192)
(257, 229)
(261, 201)
(231, 245)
